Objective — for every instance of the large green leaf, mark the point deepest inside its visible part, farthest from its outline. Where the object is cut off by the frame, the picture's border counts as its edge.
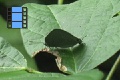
(10, 58)
(91, 20)
(23, 75)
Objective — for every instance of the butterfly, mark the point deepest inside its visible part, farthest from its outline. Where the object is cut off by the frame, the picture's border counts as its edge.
(61, 38)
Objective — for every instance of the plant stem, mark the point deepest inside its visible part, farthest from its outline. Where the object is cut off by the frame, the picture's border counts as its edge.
(113, 68)
(60, 2)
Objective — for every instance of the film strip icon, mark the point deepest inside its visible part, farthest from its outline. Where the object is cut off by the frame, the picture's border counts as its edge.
(17, 17)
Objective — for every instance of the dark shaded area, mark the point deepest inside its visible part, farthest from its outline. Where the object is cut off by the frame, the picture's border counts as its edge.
(68, 1)
(46, 62)
(3, 10)
(107, 65)
(3, 7)
(48, 2)
(116, 15)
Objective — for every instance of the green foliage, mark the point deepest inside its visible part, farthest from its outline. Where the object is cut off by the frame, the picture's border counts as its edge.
(91, 20)
(23, 75)
(13, 36)
(10, 58)
(81, 19)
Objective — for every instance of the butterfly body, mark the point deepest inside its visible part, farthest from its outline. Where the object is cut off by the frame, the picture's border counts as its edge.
(61, 38)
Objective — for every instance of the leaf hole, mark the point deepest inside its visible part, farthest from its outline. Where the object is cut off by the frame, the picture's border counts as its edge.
(45, 62)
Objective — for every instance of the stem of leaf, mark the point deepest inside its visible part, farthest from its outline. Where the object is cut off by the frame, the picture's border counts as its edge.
(113, 68)
(60, 2)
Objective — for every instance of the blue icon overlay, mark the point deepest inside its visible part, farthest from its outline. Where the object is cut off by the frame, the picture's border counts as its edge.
(17, 17)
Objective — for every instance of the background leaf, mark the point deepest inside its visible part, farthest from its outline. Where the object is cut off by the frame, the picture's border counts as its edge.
(10, 58)
(93, 19)
(23, 75)
(13, 36)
